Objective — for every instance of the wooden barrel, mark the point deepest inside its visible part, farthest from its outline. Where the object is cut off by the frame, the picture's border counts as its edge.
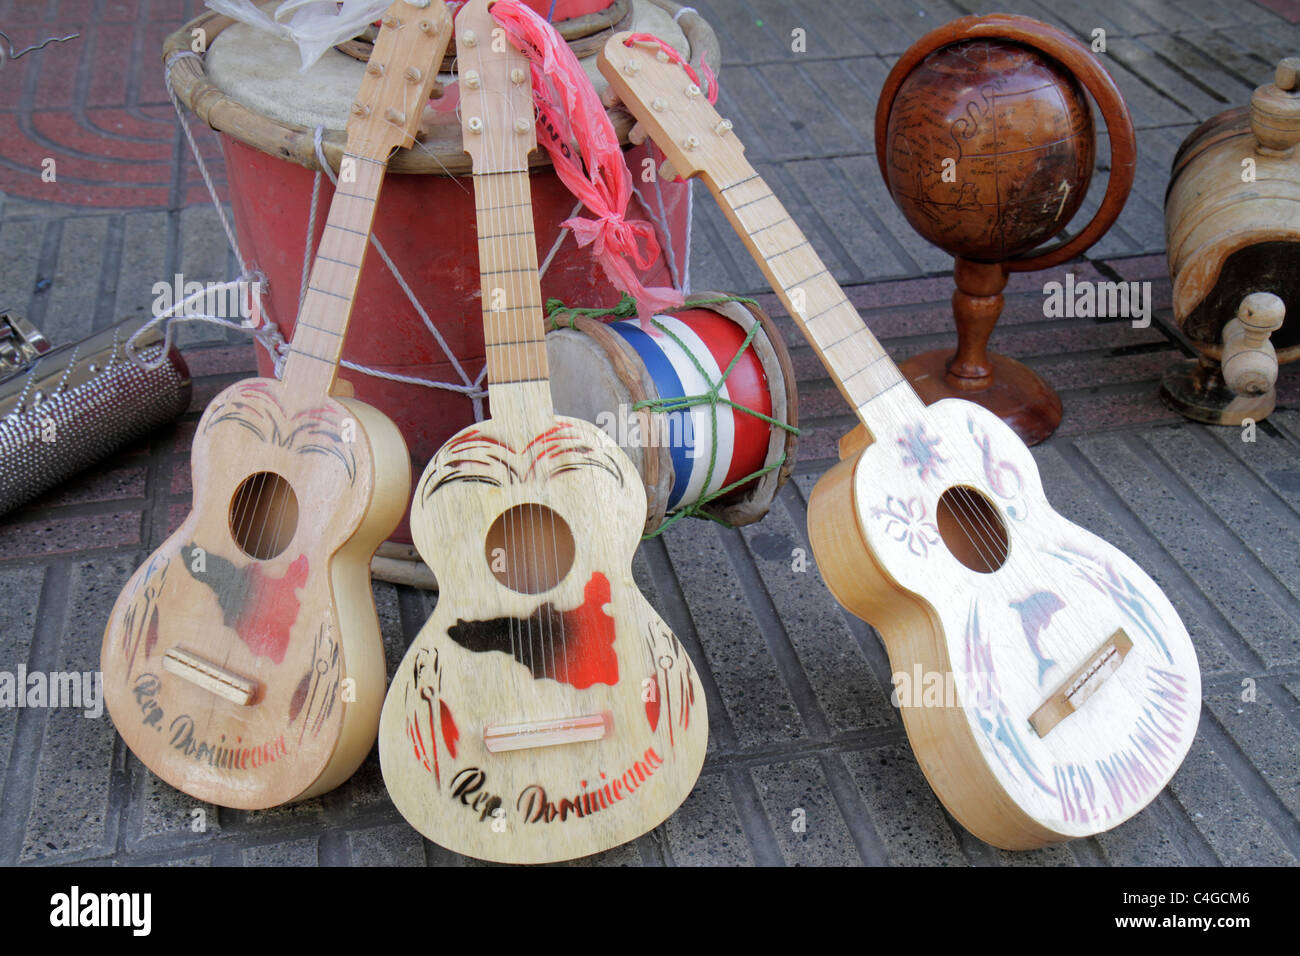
(1232, 216)
(640, 387)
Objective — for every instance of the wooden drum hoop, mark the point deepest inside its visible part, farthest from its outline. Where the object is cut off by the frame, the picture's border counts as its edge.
(442, 153)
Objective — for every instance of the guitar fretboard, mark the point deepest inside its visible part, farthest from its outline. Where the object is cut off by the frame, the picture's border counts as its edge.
(514, 327)
(863, 371)
(331, 288)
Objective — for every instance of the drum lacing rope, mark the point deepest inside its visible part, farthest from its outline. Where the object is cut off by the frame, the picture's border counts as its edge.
(268, 334)
(472, 389)
(626, 308)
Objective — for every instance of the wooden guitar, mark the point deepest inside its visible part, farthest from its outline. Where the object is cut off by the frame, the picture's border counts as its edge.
(1047, 686)
(243, 662)
(544, 712)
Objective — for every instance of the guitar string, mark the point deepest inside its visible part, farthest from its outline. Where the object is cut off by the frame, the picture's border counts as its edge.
(540, 514)
(497, 209)
(983, 538)
(980, 534)
(530, 282)
(332, 348)
(543, 514)
(274, 503)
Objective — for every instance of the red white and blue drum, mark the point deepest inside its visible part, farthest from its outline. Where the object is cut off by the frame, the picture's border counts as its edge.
(647, 389)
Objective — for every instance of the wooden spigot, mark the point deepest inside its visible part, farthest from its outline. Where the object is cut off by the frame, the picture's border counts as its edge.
(1275, 110)
(1249, 360)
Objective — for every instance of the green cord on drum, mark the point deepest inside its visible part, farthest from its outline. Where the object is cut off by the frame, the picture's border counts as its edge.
(626, 309)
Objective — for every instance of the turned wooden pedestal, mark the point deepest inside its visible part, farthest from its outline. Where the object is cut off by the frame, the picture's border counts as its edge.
(1009, 389)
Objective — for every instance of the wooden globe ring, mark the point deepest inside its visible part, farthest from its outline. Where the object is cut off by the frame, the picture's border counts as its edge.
(1075, 57)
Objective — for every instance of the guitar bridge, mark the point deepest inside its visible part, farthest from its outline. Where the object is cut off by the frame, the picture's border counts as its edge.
(203, 673)
(1086, 680)
(501, 738)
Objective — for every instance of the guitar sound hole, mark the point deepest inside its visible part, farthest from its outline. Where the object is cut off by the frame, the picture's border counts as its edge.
(263, 515)
(972, 528)
(529, 548)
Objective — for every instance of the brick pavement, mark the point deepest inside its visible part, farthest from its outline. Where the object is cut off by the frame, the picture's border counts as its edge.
(797, 689)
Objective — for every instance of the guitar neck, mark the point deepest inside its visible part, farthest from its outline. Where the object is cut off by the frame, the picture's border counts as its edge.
(865, 375)
(514, 327)
(317, 344)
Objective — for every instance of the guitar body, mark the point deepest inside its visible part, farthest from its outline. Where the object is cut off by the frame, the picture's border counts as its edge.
(248, 678)
(507, 661)
(976, 653)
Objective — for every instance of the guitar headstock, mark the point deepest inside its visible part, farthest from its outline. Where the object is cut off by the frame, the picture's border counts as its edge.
(399, 77)
(670, 106)
(498, 119)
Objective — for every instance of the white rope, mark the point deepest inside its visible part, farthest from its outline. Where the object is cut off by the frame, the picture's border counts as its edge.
(198, 158)
(311, 235)
(660, 220)
(268, 334)
(559, 241)
(683, 11)
(471, 388)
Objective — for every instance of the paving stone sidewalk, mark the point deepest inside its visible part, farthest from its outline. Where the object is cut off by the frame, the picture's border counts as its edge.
(797, 689)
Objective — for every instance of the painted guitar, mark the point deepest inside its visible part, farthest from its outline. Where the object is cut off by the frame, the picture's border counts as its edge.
(243, 662)
(545, 711)
(1047, 686)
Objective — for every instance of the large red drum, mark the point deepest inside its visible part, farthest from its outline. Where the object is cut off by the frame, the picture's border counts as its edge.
(249, 88)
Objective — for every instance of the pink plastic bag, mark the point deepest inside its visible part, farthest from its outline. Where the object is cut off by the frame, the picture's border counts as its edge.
(569, 112)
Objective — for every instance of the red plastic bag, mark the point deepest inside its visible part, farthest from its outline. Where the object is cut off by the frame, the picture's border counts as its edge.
(570, 112)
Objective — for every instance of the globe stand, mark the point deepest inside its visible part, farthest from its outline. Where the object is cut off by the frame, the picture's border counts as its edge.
(1007, 388)
(1002, 385)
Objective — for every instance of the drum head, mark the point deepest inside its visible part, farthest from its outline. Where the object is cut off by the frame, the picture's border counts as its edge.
(262, 72)
(596, 377)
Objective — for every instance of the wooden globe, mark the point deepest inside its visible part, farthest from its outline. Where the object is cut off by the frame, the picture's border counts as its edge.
(985, 139)
(990, 148)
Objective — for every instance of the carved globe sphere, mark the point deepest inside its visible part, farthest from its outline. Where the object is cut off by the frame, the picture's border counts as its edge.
(990, 148)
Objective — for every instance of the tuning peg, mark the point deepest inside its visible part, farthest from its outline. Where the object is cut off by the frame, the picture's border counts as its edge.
(609, 98)
(668, 171)
(375, 69)
(391, 23)
(636, 135)
(413, 74)
(517, 76)
(472, 79)
(360, 109)
(395, 116)
(469, 38)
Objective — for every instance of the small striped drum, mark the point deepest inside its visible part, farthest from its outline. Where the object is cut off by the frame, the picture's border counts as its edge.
(646, 390)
